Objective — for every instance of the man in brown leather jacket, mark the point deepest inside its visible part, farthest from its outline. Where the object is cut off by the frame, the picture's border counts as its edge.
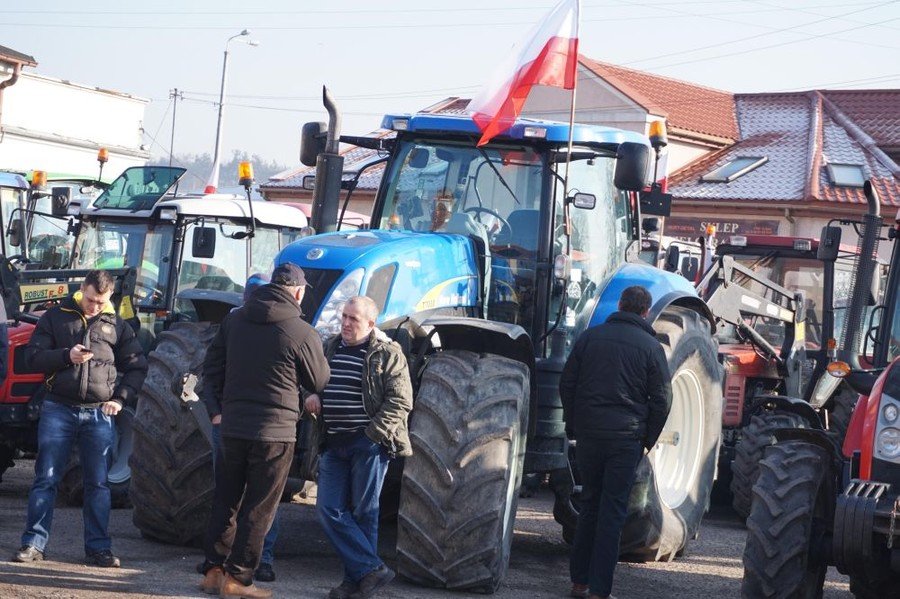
(362, 424)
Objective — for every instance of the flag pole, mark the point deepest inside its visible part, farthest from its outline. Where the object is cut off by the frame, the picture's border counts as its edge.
(571, 133)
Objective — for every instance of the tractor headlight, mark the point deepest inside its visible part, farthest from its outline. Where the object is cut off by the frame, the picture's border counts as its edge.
(329, 321)
(890, 413)
(887, 444)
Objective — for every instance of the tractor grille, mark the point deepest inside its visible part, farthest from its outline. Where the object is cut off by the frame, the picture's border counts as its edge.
(320, 282)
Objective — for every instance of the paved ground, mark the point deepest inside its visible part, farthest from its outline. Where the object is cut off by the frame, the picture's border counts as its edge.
(307, 567)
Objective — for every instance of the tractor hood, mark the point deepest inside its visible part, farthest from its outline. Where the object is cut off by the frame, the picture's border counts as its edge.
(404, 272)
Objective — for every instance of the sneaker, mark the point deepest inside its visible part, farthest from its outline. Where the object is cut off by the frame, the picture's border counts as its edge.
(28, 553)
(343, 590)
(102, 559)
(373, 581)
(264, 573)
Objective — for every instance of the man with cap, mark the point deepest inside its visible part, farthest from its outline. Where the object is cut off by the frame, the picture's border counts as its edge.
(265, 572)
(263, 355)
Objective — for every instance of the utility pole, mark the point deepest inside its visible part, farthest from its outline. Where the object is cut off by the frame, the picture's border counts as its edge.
(174, 95)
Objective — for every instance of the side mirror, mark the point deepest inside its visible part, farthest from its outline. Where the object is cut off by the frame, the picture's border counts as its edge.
(59, 201)
(309, 182)
(203, 242)
(829, 244)
(14, 232)
(632, 165)
(418, 158)
(313, 139)
(650, 225)
(585, 201)
(673, 257)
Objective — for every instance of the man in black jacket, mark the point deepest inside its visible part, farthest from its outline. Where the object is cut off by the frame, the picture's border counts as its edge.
(261, 358)
(83, 346)
(616, 394)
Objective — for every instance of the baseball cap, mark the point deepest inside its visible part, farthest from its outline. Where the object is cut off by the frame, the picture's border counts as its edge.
(288, 275)
(257, 279)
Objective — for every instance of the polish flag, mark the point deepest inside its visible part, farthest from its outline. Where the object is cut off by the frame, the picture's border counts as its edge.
(213, 182)
(547, 56)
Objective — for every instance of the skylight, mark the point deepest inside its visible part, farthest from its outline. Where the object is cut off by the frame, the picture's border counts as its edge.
(846, 175)
(730, 171)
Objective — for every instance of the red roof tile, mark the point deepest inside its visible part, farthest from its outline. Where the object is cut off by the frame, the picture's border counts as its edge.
(686, 106)
(877, 112)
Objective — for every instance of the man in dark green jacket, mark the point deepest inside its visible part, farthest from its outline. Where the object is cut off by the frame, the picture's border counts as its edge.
(362, 423)
(82, 346)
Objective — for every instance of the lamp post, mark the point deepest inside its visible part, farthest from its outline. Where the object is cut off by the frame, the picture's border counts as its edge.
(214, 177)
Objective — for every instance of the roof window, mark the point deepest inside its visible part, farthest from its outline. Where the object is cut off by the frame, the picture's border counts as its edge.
(846, 175)
(737, 167)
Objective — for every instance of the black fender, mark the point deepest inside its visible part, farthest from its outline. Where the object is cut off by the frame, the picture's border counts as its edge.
(685, 300)
(489, 337)
(816, 437)
(211, 305)
(787, 404)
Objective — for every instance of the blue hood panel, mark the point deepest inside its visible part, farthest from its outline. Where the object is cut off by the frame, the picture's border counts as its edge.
(657, 281)
(432, 270)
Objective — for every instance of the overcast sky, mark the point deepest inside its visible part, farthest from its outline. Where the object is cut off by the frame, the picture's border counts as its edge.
(403, 55)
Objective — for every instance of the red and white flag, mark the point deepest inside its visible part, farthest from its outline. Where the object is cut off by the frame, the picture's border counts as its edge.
(212, 184)
(548, 56)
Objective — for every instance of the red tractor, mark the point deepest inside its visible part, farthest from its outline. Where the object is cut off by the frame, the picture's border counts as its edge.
(766, 355)
(818, 502)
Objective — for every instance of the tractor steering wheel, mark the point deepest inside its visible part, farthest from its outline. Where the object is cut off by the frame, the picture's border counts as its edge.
(503, 221)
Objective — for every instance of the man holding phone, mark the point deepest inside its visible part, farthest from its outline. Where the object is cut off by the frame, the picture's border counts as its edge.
(82, 346)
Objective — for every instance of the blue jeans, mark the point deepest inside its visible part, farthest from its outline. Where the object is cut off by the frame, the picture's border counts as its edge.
(351, 473)
(268, 551)
(607, 468)
(59, 428)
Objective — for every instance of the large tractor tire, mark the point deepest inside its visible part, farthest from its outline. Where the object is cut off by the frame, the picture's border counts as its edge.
(673, 482)
(71, 485)
(786, 529)
(843, 404)
(172, 473)
(755, 437)
(461, 486)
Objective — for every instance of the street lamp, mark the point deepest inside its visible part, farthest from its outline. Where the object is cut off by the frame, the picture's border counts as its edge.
(214, 177)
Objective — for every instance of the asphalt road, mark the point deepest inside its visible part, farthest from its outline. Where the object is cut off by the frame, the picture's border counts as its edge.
(307, 567)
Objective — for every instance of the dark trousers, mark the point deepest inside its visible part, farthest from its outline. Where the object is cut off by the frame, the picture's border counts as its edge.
(253, 477)
(607, 468)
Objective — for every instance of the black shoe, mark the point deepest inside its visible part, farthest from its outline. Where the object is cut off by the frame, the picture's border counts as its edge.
(343, 590)
(28, 553)
(373, 581)
(102, 559)
(264, 573)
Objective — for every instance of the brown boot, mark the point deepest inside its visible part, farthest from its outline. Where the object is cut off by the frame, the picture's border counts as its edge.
(212, 580)
(232, 588)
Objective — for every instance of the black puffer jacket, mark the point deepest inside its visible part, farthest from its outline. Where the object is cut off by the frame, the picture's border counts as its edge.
(115, 347)
(257, 364)
(616, 382)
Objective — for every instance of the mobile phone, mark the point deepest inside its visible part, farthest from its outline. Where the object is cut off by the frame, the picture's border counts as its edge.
(84, 350)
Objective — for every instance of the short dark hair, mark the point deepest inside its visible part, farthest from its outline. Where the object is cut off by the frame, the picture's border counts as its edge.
(100, 280)
(635, 299)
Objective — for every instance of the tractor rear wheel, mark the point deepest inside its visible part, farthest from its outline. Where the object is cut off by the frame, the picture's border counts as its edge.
(755, 437)
(461, 485)
(172, 474)
(71, 485)
(788, 523)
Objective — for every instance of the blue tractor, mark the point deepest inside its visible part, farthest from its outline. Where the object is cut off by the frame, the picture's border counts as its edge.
(486, 273)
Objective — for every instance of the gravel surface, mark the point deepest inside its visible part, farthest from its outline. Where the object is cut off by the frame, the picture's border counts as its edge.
(306, 566)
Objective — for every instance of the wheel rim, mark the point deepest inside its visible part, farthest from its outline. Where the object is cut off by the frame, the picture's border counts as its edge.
(119, 471)
(677, 461)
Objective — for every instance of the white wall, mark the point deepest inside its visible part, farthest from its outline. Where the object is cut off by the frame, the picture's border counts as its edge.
(55, 125)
